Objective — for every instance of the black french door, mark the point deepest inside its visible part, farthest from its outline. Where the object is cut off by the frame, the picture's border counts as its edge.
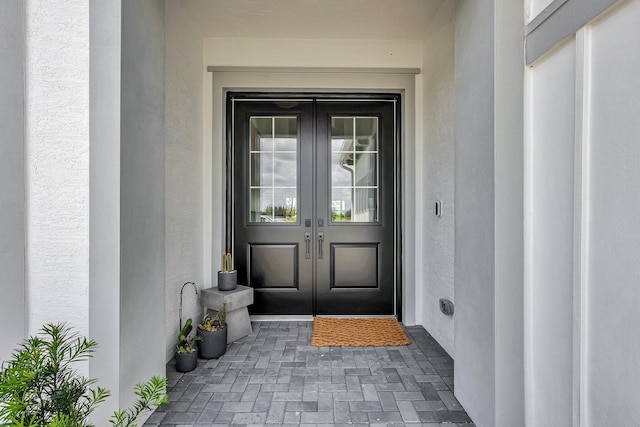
(312, 186)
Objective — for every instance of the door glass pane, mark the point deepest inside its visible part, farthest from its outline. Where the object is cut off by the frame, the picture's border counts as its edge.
(341, 204)
(273, 169)
(366, 134)
(354, 169)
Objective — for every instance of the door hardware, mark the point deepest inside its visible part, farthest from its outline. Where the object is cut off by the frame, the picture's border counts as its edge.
(307, 241)
(320, 240)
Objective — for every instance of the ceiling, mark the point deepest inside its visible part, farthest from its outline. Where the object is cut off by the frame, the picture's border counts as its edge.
(311, 19)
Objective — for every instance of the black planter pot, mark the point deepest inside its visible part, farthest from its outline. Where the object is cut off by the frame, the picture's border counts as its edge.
(212, 344)
(227, 281)
(186, 362)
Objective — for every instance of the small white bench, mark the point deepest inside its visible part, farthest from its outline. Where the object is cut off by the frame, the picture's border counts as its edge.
(237, 300)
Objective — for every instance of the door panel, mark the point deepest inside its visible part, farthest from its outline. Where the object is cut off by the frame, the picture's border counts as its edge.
(358, 275)
(269, 242)
(314, 218)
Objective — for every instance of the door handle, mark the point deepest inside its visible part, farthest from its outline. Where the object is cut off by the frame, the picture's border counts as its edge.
(307, 241)
(320, 240)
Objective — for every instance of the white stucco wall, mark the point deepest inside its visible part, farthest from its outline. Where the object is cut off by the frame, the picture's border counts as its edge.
(142, 293)
(12, 209)
(184, 192)
(549, 277)
(582, 226)
(312, 53)
(57, 162)
(611, 221)
(437, 181)
(534, 7)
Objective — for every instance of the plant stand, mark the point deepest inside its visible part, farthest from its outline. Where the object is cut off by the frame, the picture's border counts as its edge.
(237, 300)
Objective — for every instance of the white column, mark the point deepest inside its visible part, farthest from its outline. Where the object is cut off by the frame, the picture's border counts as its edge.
(57, 162)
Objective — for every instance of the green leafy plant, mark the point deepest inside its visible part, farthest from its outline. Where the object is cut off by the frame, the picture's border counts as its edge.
(150, 395)
(219, 321)
(186, 344)
(39, 386)
(227, 262)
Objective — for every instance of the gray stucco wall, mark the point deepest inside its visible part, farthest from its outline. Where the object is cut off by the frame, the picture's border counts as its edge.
(489, 272)
(104, 167)
(184, 191)
(474, 214)
(12, 229)
(509, 213)
(142, 207)
(438, 176)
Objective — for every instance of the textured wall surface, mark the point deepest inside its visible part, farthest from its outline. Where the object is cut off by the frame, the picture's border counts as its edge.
(312, 53)
(12, 237)
(57, 159)
(474, 216)
(613, 233)
(142, 334)
(438, 174)
(184, 235)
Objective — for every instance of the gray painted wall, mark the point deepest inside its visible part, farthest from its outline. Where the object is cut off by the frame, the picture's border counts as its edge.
(438, 174)
(509, 213)
(184, 192)
(142, 215)
(474, 215)
(104, 210)
(489, 275)
(12, 240)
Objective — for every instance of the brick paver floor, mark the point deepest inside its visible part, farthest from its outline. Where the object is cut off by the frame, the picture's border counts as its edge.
(275, 377)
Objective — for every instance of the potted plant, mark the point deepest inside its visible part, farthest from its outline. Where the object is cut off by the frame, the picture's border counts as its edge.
(186, 355)
(227, 276)
(213, 334)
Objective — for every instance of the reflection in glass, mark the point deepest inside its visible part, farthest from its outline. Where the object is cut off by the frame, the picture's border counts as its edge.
(366, 173)
(354, 169)
(366, 133)
(273, 169)
(341, 204)
(286, 171)
(341, 169)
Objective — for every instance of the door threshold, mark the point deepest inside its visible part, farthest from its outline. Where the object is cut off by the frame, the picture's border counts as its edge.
(357, 316)
(281, 318)
(309, 317)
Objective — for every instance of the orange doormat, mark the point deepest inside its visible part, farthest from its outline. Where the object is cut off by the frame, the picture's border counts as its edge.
(360, 332)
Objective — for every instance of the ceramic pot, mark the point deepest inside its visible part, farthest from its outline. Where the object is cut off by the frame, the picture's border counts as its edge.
(186, 362)
(227, 281)
(212, 344)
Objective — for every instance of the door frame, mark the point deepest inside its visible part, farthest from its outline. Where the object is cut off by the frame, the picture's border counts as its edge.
(396, 98)
(219, 79)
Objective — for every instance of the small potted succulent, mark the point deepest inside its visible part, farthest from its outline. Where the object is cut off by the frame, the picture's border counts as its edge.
(227, 276)
(212, 332)
(186, 351)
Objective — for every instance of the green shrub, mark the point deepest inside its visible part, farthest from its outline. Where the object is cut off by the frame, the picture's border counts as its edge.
(39, 386)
